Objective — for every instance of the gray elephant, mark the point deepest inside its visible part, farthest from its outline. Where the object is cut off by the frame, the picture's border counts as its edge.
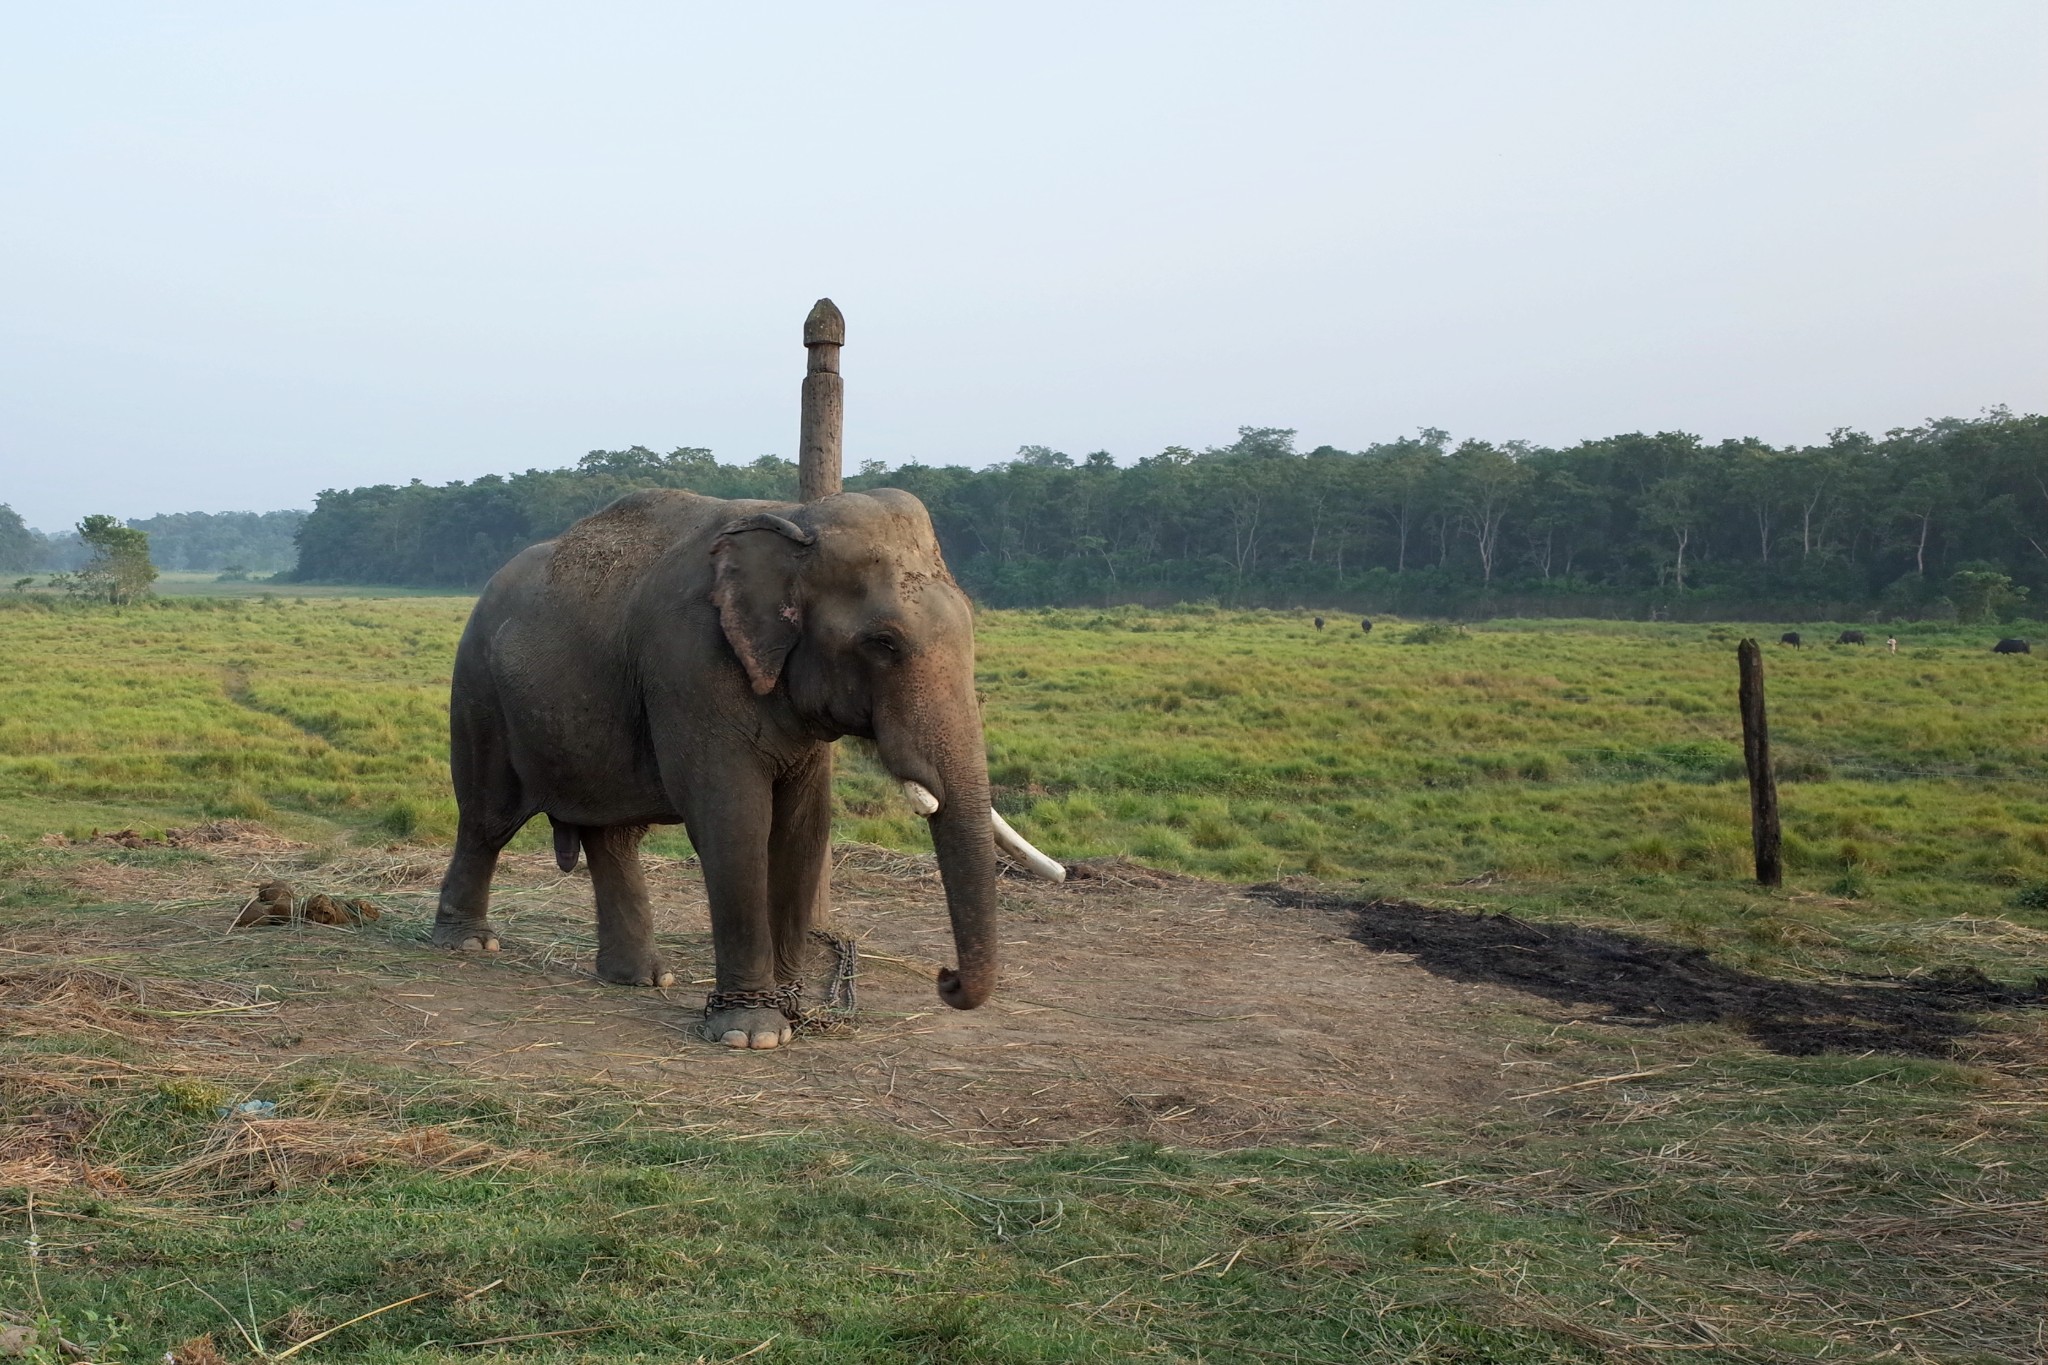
(677, 658)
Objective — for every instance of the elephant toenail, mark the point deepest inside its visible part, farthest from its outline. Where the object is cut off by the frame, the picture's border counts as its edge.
(733, 1038)
(764, 1041)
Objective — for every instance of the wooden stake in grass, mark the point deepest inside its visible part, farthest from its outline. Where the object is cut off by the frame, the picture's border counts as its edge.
(824, 411)
(1756, 756)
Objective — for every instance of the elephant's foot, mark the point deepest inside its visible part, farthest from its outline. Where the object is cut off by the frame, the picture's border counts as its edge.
(633, 967)
(755, 1019)
(465, 935)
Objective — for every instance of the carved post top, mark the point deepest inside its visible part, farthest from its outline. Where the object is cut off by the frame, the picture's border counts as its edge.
(826, 326)
(818, 439)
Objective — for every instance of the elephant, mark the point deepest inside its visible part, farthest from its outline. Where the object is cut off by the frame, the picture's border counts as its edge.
(675, 658)
(1790, 637)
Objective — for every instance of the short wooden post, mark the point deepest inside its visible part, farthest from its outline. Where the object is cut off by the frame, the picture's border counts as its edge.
(1756, 756)
(824, 408)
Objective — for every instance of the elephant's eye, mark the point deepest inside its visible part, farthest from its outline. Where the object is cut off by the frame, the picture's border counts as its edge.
(883, 646)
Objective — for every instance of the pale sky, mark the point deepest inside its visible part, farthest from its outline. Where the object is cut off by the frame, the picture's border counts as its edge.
(248, 252)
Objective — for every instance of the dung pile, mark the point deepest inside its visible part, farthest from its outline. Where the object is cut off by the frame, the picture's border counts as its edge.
(276, 903)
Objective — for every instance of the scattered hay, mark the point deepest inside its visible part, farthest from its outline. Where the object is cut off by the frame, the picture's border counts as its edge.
(1118, 870)
(60, 998)
(40, 1155)
(43, 1150)
(1994, 932)
(245, 833)
(885, 862)
(261, 1155)
(200, 1350)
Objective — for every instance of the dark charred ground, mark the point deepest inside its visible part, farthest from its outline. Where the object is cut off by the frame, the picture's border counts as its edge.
(1643, 981)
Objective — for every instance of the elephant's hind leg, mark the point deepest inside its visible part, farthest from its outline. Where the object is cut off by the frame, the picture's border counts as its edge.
(463, 918)
(490, 803)
(625, 924)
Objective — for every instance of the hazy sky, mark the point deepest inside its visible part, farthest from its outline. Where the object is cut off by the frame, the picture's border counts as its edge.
(248, 252)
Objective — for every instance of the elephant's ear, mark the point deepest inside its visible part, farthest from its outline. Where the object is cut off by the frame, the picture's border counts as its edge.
(754, 563)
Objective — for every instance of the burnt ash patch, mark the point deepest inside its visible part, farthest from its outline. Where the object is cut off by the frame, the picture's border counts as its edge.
(1643, 981)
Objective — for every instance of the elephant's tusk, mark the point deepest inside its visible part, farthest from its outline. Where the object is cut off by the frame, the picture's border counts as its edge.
(1015, 845)
(1009, 840)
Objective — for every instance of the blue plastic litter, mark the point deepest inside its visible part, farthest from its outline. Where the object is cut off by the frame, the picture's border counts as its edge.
(249, 1109)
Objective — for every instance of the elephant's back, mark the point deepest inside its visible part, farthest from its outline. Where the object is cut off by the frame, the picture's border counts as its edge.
(614, 547)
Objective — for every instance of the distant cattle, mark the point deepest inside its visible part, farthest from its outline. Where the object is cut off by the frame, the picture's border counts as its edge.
(1319, 623)
(2011, 647)
(1849, 637)
(1365, 626)
(1790, 637)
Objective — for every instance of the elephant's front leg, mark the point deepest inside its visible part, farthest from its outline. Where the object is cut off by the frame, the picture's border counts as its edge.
(731, 835)
(625, 923)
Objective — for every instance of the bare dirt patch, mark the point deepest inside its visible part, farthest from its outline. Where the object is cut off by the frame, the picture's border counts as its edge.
(1132, 1003)
(1646, 982)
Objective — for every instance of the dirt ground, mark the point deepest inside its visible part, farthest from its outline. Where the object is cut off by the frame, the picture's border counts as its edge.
(1132, 1004)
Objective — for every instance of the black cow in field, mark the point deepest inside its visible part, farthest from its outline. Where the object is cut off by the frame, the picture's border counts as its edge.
(1365, 626)
(1319, 623)
(2011, 647)
(1849, 637)
(1790, 637)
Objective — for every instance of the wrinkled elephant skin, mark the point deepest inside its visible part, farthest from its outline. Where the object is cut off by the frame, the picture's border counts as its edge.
(677, 658)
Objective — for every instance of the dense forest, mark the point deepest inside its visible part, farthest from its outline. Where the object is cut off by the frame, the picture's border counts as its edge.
(212, 542)
(1664, 523)
(254, 542)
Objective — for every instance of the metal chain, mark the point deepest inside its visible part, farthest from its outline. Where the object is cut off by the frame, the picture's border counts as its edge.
(838, 1009)
(786, 998)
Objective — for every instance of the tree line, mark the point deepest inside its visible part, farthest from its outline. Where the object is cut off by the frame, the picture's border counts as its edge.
(1664, 522)
(211, 542)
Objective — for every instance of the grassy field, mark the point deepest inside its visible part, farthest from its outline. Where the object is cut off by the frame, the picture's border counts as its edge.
(1589, 770)
(1655, 1191)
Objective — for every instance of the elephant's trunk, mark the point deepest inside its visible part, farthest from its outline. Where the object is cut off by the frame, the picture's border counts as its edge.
(967, 863)
(938, 748)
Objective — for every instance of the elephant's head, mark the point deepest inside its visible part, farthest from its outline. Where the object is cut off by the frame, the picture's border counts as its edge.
(846, 607)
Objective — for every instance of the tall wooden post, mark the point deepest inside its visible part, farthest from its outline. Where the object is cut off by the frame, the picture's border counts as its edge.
(818, 476)
(1756, 756)
(824, 411)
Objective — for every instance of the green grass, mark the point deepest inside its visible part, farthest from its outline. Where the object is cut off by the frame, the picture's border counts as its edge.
(1727, 1205)
(1589, 770)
